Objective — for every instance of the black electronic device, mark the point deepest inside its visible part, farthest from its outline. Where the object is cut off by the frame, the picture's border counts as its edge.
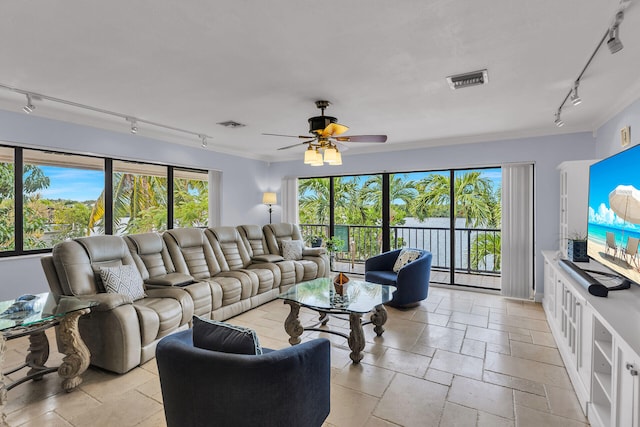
(585, 279)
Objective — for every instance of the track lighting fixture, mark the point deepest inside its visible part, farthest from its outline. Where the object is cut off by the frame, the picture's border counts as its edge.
(134, 124)
(203, 139)
(614, 44)
(31, 96)
(575, 98)
(29, 107)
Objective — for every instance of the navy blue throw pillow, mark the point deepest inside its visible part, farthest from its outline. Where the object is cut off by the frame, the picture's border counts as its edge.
(220, 336)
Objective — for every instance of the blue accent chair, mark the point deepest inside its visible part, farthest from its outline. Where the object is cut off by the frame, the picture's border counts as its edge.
(287, 387)
(412, 280)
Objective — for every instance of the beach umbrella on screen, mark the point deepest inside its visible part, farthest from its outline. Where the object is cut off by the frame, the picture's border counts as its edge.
(624, 200)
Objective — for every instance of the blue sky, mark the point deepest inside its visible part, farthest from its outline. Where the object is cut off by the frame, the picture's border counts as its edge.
(72, 184)
(605, 176)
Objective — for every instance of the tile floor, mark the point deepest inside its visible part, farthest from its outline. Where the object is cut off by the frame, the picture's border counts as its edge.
(459, 359)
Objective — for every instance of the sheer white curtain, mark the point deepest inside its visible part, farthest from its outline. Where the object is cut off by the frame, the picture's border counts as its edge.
(215, 198)
(517, 230)
(289, 195)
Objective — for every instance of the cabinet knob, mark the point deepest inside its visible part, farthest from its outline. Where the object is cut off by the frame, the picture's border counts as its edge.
(633, 372)
(629, 366)
(577, 303)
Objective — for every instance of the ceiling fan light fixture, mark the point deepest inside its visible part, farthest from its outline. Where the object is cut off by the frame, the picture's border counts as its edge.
(330, 155)
(338, 161)
(317, 161)
(309, 155)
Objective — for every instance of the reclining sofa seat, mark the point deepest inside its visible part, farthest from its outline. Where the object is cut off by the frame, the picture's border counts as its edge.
(120, 333)
(233, 256)
(314, 262)
(192, 254)
(150, 254)
(256, 247)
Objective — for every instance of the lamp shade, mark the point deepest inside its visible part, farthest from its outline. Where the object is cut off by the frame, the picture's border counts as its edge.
(338, 161)
(309, 156)
(269, 198)
(330, 155)
(317, 161)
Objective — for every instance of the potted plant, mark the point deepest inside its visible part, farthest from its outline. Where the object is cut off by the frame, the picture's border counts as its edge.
(314, 241)
(577, 247)
(332, 245)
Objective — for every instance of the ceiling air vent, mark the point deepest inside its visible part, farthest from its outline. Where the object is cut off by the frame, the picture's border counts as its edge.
(474, 78)
(231, 124)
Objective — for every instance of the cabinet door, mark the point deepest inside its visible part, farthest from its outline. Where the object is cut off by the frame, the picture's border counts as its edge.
(549, 299)
(585, 342)
(627, 387)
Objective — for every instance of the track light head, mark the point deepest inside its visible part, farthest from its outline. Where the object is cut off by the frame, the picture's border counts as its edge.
(29, 107)
(575, 98)
(203, 139)
(614, 44)
(134, 124)
(558, 121)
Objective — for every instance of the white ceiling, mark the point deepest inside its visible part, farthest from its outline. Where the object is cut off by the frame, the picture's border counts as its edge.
(193, 63)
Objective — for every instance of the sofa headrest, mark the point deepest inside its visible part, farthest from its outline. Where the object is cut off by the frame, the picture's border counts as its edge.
(146, 243)
(253, 232)
(104, 248)
(281, 229)
(225, 234)
(187, 237)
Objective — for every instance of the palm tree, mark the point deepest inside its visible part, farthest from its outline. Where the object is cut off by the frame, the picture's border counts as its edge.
(139, 204)
(401, 193)
(473, 195)
(313, 194)
(485, 244)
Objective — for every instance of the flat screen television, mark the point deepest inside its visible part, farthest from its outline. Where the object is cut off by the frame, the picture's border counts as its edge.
(613, 230)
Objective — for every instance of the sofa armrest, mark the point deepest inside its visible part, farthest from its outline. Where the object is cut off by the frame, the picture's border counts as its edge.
(104, 301)
(313, 251)
(170, 279)
(267, 258)
(382, 262)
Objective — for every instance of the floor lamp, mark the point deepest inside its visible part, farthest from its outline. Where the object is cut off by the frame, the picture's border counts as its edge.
(269, 199)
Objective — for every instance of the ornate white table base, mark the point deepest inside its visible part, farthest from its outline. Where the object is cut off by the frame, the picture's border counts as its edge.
(355, 338)
(75, 362)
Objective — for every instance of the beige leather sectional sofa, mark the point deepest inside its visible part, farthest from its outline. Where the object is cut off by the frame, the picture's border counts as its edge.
(216, 273)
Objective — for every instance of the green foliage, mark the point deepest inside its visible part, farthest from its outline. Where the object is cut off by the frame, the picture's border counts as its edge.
(483, 245)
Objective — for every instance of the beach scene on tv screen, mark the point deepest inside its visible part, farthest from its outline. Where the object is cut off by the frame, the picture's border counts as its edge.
(614, 213)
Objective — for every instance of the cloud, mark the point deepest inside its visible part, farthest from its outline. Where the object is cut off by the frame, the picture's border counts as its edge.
(606, 216)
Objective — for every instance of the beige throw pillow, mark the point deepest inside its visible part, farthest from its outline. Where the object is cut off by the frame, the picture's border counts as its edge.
(292, 249)
(405, 257)
(123, 279)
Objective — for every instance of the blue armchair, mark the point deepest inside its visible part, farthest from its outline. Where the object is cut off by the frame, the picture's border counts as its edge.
(287, 387)
(412, 280)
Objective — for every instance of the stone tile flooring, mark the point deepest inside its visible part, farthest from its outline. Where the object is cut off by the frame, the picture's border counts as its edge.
(459, 359)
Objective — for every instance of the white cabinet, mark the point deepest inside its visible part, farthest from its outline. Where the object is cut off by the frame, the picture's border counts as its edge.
(599, 343)
(627, 396)
(574, 199)
(570, 320)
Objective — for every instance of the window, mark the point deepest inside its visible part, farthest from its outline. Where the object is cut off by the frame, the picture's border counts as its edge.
(60, 197)
(190, 198)
(66, 196)
(139, 197)
(7, 200)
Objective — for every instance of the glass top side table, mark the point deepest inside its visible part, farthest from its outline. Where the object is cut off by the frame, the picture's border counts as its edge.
(32, 315)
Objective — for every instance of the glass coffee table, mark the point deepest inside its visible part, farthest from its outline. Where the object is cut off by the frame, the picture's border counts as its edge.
(31, 315)
(359, 298)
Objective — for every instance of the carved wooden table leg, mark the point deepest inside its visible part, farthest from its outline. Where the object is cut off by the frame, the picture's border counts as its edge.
(356, 337)
(3, 390)
(292, 324)
(324, 318)
(38, 354)
(77, 355)
(379, 318)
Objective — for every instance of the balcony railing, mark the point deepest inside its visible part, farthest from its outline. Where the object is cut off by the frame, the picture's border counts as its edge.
(477, 250)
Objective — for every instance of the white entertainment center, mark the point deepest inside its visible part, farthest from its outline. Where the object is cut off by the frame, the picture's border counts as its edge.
(598, 338)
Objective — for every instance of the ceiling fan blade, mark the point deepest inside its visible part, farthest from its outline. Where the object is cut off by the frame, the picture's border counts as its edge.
(296, 144)
(288, 136)
(362, 138)
(334, 129)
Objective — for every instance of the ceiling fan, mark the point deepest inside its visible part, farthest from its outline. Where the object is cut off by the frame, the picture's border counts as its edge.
(324, 132)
